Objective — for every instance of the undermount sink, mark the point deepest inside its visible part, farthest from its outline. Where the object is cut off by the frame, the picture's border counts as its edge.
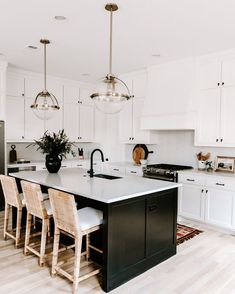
(107, 177)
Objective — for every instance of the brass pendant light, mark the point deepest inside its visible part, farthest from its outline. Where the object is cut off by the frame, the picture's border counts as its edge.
(112, 93)
(45, 103)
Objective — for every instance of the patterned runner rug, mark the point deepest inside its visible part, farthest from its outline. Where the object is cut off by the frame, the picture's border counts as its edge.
(185, 233)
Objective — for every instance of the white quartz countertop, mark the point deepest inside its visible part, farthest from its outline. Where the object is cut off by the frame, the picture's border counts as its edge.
(77, 181)
(206, 173)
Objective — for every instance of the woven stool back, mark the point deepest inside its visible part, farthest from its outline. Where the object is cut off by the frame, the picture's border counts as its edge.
(10, 191)
(64, 211)
(34, 200)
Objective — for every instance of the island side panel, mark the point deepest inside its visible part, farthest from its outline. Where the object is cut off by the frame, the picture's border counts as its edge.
(135, 238)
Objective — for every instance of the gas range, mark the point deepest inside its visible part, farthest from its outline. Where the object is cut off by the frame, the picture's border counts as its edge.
(166, 172)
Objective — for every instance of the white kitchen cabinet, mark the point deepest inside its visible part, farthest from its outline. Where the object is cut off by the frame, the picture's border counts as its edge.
(71, 93)
(219, 207)
(15, 85)
(84, 96)
(86, 123)
(71, 121)
(227, 136)
(33, 86)
(209, 75)
(34, 127)
(215, 125)
(55, 124)
(207, 198)
(126, 123)
(191, 202)
(216, 103)
(15, 107)
(79, 122)
(207, 132)
(129, 123)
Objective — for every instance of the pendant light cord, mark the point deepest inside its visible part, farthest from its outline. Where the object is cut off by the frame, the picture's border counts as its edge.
(111, 42)
(45, 67)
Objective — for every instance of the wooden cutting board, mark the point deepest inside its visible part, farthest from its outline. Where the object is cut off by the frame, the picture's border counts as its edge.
(138, 154)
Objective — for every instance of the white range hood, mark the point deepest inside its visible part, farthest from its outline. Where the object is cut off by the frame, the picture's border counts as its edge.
(170, 101)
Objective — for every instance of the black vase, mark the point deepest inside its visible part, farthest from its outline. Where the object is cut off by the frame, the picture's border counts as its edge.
(53, 163)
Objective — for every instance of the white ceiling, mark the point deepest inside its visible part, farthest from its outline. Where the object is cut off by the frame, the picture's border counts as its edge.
(175, 29)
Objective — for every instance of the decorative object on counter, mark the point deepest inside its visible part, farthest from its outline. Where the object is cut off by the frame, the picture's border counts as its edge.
(55, 146)
(209, 166)
(224, 164)
(111, 93)
(140, 151)
(45, 103)
(202, 158)
(13, 154)
(80, 153)
(185, 233)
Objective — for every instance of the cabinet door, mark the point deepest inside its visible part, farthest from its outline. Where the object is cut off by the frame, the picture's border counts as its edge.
(33, 85)
(219, 207)
(139, 135)
(55, 87)
(161, 221)
(71, 121)
(207, 131)
(228, 72)
(139, 85)
(86, 123)
(56, 122)
(191, 202)
(71, 93)
(85, 96)
(227, 136)
(209, 75)
(15, 85)
(15, 118)
(34, 127)
(126, 123)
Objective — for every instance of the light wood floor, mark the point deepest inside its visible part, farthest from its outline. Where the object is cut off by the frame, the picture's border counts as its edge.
(204, 264)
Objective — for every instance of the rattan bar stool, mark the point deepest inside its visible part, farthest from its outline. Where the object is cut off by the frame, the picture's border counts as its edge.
(76, 224)
(15, 199)
(38, 207)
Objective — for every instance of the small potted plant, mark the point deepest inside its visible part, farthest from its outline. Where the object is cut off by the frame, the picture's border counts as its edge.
(56, 147)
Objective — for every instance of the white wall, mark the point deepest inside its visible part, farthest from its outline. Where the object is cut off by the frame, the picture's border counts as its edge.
(3, 66)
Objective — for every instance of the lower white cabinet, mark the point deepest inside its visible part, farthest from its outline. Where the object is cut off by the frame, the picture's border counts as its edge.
(212, 202)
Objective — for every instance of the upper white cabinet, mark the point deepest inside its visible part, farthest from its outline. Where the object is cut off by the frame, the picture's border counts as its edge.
(170, 101)
(15, 85)
(216, 97)
(78, 114)
(15, 118)
(130, 117)
(3, 66)
(33, 85)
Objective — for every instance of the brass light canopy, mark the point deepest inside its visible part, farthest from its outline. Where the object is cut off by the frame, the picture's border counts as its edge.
(45, 103)
(111, 93)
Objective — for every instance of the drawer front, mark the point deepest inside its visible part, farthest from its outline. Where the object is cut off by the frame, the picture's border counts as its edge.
(191, 179)
(221, 183)
(117, 169)
(134, 171)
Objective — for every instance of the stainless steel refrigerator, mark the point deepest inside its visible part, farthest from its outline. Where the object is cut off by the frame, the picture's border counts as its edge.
(2, 159)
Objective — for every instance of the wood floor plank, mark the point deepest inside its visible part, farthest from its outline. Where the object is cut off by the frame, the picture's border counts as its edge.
(203, 265)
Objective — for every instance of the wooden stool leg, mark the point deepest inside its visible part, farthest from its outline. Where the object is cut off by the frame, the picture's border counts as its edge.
(43, 241)
(27, 234)
(87, 247)
(6, 220)
(78, 248)
(18, 226)
(55, 251)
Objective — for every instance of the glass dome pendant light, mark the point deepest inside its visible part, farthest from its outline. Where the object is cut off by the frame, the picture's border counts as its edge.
(45, 103)
(112, 93)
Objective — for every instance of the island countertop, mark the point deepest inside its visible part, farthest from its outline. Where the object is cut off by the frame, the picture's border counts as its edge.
(77, 181)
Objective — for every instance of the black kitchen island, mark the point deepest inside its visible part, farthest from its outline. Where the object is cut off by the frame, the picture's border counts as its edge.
(139, 226)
